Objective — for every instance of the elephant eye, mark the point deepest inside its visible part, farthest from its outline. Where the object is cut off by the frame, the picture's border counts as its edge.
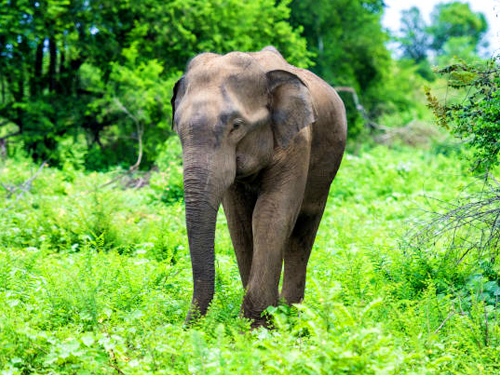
(237, 124)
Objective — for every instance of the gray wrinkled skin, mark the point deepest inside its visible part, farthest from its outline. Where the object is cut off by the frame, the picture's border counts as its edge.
(265, 139)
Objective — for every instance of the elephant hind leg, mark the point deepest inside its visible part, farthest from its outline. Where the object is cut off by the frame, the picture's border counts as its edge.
(297, 253)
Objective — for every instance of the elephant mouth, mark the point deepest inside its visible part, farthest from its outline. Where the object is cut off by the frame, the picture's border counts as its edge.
(246, 170)
(247, 179)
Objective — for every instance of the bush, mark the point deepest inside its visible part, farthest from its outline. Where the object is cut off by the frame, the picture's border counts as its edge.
(476, 118)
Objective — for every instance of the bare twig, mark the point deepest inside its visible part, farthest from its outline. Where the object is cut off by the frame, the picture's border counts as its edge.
(25, 186)
(139, 128)
(112, 356)
(470, 225)
(444, 321)
(140, 132)
(359, 107)
(10, 189)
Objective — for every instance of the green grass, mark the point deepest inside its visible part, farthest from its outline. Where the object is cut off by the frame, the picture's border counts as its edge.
(98, 280)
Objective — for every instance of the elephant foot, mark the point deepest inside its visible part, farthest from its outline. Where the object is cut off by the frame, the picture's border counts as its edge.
(291, 298)
(257, 318)
(262, 322)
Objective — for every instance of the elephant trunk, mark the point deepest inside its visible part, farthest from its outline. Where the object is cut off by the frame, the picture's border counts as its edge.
(204, 187)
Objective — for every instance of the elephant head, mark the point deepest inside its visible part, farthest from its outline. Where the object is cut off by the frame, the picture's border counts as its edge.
(233, 117)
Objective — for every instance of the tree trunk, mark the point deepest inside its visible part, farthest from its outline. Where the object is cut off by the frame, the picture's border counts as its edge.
(3, 148)
(64, 86)
(2, 82)
(36, 80)
(52, 63)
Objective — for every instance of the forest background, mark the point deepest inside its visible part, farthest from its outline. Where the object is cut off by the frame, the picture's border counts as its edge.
(94, 77)
(94, 267)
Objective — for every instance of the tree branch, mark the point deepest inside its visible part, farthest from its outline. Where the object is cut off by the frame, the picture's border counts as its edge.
(359, 107)
(23, 187)
(140, 131)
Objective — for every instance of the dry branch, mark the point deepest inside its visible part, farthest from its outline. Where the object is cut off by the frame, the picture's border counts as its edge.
(470, 226)
(23, 188)
(359, 107)
(3, 142)
(139, 128)
(444, 321)
(140, 132)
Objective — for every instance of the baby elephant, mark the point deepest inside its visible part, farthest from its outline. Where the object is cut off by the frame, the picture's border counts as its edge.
(265, 139)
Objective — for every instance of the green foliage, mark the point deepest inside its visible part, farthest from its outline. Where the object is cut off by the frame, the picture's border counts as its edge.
(94, 269)
(95, 279)
(415, 40)
(455, 30)
(106, 80)
(349, 43)
(175, 31)
(402, 94)
(137, 99)
(456, 19)
(168, 182)
(461, 48)
(476, 119)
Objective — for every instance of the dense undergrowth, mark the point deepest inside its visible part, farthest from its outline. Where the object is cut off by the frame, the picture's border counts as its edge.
(96, 279)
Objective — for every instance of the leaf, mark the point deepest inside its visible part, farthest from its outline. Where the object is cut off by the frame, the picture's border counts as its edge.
(88, 339)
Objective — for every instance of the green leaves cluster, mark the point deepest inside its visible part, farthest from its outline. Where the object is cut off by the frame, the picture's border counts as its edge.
(174, 31)
(349, 43)
(454, 30)
(476, 118)
(101, 72)
(455, 19)
(97, 75)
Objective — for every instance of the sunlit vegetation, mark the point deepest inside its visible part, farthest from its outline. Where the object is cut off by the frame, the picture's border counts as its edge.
(95, 275)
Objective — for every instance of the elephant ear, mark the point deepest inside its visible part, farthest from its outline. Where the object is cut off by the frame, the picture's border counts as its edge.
(291, 106)
(177, 95)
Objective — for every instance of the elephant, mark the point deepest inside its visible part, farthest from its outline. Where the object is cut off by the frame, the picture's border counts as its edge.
(265, 139)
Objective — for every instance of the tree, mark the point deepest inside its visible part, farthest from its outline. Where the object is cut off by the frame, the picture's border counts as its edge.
(454, 31)
(349, 43)
(461, 47)
(455, 19)
(415, 40)
(43, 44)
(470, 223)
(173, 31)
(68, 67)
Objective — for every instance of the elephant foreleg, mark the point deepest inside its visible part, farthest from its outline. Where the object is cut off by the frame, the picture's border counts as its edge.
(239, 202)
(274, 217)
